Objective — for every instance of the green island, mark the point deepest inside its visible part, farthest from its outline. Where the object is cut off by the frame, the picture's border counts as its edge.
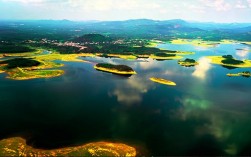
(187, 62)
(163, 81)
(244, 74)
(164, 56)
(17, 146)
(229, 61)
(116, 69)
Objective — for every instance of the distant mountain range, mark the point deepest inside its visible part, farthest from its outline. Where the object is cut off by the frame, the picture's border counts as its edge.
(132, 28)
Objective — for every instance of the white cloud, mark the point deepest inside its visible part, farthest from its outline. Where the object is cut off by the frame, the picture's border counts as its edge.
(240, 5)
(218, 5)
(31, 2)
(197, 9)
(25, 1)
(249, 3)
(105, 5)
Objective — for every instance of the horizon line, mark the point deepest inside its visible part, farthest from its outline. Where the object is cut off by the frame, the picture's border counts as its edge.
(191, 21)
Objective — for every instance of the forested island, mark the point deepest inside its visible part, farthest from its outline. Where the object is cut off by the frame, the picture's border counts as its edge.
(188, 62)
(230, 61)
(164, 56)
(115, 69)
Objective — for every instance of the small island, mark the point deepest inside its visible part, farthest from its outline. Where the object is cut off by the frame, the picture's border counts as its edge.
(164, 56)
(229, 61)
(244, 74)
(17, 146)
(163, 81)
(187, 62)
(115, 69)
(126, 56)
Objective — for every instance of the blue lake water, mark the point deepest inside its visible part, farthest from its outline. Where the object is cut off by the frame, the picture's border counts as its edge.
(206, 113)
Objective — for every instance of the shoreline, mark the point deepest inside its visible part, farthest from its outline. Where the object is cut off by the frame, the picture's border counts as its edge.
(17, 146)
(218, 60)
(115, 71)
(162, 81)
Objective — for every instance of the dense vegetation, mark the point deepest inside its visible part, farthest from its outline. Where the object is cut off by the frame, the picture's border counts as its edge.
(228, 56)
(106, 48)
(60, 49)
(117, 67)
(19, 62)
(162, 54)
(14, 48)
(246, 74)
(189, 60)
(230, 60)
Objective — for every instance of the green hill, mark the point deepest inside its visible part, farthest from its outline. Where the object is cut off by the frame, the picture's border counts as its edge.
(92, 38)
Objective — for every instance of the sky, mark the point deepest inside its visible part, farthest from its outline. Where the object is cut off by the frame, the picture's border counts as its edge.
(221, 11)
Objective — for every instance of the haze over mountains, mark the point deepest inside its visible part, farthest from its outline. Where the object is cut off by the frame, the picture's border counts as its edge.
(176, 28)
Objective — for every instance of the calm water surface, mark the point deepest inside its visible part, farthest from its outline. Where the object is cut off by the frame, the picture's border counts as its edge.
(206, 113)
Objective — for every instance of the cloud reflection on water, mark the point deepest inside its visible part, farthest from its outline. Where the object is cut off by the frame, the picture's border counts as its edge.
(149, 64)
(132, 90)
(242, 53)
(202, 69)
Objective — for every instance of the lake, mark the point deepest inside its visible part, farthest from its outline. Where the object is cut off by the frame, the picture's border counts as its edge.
(206, 113)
